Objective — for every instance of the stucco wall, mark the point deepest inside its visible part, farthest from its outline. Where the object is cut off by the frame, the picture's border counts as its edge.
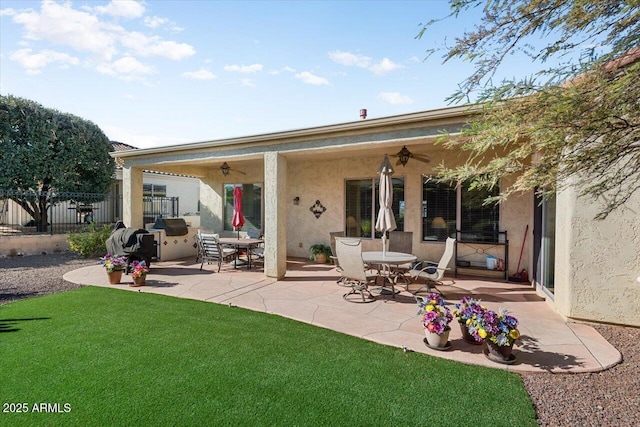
(597, 262)
(32, 245)
(324, 180)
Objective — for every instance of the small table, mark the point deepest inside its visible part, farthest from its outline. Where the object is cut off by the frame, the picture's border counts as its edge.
(388, 258)
(241, 243)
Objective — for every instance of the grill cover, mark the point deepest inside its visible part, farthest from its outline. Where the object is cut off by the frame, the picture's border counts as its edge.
(134, 243)
(172, 226)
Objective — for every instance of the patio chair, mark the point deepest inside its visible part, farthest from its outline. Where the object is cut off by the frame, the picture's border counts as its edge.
(401, 241)
(352, 269)
(433, 272)
(257, 251)
(211, 250)
(334, 257)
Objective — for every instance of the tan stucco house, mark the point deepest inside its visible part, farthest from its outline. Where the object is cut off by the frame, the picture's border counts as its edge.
(299, 185)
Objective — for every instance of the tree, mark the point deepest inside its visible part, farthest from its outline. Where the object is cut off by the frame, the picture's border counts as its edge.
(47, 154)
(576, 122)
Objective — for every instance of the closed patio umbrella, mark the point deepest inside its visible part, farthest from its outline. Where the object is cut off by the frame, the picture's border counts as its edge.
(385, 221)
(238, 219)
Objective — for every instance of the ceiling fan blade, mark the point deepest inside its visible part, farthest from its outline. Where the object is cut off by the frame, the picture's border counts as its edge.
(420, 158)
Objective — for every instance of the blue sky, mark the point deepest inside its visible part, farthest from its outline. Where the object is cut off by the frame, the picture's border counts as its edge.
(158, 73)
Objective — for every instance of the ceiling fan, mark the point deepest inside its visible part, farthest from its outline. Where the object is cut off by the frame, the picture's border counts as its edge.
(225, 168)
(404, 155)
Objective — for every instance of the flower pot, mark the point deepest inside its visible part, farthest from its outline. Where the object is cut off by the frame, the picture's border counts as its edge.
(321, 259)
(499, 353)
(438, 340)
(140, 280)
(466, 335)
(115, 277)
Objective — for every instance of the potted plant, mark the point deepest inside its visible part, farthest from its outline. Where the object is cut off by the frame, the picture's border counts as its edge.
(139, 272)
(114, 265)
(320, 253)
(436, 317)
(499, 331)
(467, 311)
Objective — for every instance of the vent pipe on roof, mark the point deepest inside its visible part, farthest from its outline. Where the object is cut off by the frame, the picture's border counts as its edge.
(363, 113)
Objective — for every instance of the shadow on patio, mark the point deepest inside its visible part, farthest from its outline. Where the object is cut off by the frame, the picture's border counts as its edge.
(310, 294)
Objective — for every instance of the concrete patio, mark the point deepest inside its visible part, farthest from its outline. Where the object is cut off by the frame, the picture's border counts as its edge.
(309, 294)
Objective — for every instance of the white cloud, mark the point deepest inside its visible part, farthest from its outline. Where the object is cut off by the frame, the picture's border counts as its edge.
(247, 82)
(245, 69)
(34, 62)
(63, 25)
(311, 79)
(384, 66)
(201, 74)
(93, 30)
(128, 96)
(349, 59)
(122, 8)
(155, 21)
(395, 98)
(127, 68)
(352, 60)
(289, 69)
(7, 12)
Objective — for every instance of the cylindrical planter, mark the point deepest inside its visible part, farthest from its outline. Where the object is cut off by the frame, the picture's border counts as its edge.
(438, 340)
(464, 328)
(499, 352)
(140, 280)
(115, 277)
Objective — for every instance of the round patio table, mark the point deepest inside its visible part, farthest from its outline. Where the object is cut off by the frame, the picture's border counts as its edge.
(388, 258)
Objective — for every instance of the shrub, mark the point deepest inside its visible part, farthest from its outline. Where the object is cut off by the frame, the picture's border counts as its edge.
(90, 241)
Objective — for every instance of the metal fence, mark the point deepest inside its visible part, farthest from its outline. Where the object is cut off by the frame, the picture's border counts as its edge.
(35, 212)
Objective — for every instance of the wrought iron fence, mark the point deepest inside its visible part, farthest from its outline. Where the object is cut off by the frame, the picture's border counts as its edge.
(36, 212)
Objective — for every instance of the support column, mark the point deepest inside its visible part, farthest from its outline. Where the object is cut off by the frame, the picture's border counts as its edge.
(275, 215)
(132, 210)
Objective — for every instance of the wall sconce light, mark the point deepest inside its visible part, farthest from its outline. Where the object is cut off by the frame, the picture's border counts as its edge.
(296, 200)
(225, 169)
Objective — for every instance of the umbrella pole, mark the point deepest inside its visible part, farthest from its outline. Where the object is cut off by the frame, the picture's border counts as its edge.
(384, 243)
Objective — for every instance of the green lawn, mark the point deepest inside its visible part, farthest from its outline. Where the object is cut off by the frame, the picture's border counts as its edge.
(124, 358)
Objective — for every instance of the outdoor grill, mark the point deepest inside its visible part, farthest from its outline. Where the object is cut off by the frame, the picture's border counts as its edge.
(134, 243)
(172, 226)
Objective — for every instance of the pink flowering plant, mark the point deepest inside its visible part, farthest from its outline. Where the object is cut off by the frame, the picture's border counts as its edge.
(113, 263)
(436, 316)
(500, 328)
(139, 269)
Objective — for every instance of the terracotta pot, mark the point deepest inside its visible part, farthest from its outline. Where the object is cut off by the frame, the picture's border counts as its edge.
(115, 277)
(141, 280)
(321, 259)
(499, 352)
(466, 335)
(438, 340)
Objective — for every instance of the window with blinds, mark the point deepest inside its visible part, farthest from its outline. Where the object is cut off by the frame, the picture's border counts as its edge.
(479, 221)
(438, 210)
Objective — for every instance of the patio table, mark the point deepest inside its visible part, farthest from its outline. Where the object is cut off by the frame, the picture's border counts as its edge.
(238, 243)
(387, 258)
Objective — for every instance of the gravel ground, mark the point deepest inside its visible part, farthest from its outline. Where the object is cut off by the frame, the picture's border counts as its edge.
(608, 398)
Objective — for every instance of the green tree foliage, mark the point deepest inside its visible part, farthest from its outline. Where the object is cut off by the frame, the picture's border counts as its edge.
(44, 151)
(576, 122)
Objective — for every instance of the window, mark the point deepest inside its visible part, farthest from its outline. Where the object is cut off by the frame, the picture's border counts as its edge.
(440, 217)
(251, 206)
(438, 210)
(479, 221)
(154, 190)
(362, 205)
